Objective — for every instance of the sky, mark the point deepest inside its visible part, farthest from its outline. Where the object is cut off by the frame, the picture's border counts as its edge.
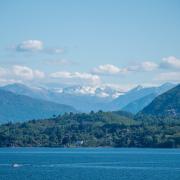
(121, 43)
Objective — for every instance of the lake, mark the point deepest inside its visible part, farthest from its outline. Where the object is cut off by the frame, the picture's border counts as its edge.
(89, 164)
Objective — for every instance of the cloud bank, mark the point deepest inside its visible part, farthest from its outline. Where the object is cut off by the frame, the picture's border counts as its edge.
(30, 46)
(77, 76)
(109, 69)
(170, 62)
(36, 46)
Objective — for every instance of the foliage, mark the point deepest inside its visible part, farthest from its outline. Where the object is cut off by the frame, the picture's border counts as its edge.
(101, 129)
(167, 104)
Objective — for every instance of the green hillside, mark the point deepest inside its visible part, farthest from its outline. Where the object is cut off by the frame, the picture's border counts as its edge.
(167, 104)
(101, 129)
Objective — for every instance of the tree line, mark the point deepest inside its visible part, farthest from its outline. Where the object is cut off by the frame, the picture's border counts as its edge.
(100, 129)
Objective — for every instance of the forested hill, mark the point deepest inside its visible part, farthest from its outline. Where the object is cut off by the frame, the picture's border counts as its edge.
(167, 104)
(101, 129)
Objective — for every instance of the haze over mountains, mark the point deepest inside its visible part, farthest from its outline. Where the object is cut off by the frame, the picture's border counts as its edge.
(21, 102)
(83, 98)
(142, 97)
(129, 100)
(15, 107)
(86, 98)
(139, 104)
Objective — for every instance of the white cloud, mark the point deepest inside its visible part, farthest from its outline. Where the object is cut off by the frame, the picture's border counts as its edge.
(61, 74)
(30, 45)
(119, 87)
(36, 46)
(144, 66)
(170, 62)
(169, 76)
(108, 69)
(27, 73)
(20, 74)
(148, 66)
(39, 74)
(76, 76)
(23, 72)
(3, 72)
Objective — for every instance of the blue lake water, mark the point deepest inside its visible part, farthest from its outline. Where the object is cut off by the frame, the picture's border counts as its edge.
(89, 164)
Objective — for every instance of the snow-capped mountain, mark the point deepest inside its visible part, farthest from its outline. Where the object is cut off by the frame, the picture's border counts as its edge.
(84, 98)
(87, 98)
(98, 91)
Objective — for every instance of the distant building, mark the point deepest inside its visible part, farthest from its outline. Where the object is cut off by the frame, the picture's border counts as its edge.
(79, 143)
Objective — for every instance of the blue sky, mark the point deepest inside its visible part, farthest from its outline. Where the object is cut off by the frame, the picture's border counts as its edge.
(122, 42)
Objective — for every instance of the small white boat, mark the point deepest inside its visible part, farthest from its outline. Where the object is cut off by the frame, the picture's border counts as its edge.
(15, 165)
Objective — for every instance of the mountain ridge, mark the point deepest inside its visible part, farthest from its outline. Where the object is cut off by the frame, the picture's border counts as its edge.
(166, 104)
(14, 107)
(138, 93)
(86, 98)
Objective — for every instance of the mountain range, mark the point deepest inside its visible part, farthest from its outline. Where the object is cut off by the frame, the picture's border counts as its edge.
(136, 99)
(85, 98)
(20, 102)
(137, 105)
(156, 126)
(14, 107)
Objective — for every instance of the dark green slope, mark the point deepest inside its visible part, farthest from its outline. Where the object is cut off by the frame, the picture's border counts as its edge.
(167, 104)
(94, 129)
(101, 129)
(20, 108)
